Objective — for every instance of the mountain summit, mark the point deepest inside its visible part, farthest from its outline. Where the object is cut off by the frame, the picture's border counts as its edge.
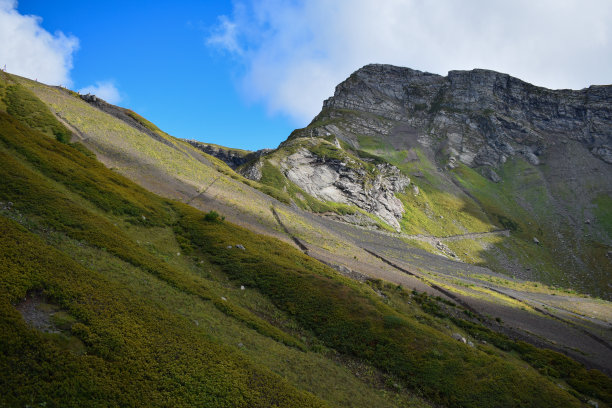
(481, 117)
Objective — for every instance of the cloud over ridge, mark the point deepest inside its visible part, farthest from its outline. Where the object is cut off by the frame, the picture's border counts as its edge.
(293, 53)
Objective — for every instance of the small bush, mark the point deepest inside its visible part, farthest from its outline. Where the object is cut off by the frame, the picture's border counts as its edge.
(213, 216)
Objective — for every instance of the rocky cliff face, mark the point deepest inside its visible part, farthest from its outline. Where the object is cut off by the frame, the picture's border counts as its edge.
(329, 173)
(335, 180)
(232, 157)
(477, 117)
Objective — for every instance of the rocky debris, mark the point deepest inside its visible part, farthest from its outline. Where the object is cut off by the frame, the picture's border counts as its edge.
(252, 170)
(232, 157)
(483, 116)
(489, 173)
(341, 182)
(355, 219)
(240, 247)
(536, 241)
(38, 313)
(90, 98)
(460, 338)
(603, 152)
(346, 271)
(440, 246)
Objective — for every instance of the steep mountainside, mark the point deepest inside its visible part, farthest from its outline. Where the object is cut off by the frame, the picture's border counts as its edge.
(112, 295)
(484, 151)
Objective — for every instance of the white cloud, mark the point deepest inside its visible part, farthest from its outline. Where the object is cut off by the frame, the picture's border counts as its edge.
(295, 52)
(29, 50)
(103, 89)
(224, 36)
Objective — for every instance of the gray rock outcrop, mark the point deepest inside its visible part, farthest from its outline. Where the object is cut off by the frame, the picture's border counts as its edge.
(338, 181)
(232, 157)
(480, 117)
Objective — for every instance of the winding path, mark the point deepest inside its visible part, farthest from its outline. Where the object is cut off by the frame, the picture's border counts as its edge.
(458, 237)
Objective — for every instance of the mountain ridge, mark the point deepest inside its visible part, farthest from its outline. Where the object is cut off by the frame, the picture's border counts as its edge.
(583, 115)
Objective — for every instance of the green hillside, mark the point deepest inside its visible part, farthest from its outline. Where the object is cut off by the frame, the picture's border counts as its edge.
(114, 296)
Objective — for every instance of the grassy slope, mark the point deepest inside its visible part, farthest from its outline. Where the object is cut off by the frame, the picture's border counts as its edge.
(521, 203)
(56, 189)
(57, 201)
(435, 210)
(131, 152)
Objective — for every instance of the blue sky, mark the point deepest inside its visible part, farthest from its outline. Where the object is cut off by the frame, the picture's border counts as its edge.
(246, 73)
(158, 60)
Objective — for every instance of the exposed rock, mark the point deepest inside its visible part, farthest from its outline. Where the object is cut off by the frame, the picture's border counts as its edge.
(240, 247)
(603, 152)
(459, 337)
(91, 98)
(252, 170)
(536, 241)
(355, 219)
(491, 174)
(38, 313)
(486, 116)
(348, 272)
(338, 181)
(440, 246)
(232, 157)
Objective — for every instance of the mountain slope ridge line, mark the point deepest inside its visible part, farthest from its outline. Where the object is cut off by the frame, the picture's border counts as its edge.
(447, 293)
